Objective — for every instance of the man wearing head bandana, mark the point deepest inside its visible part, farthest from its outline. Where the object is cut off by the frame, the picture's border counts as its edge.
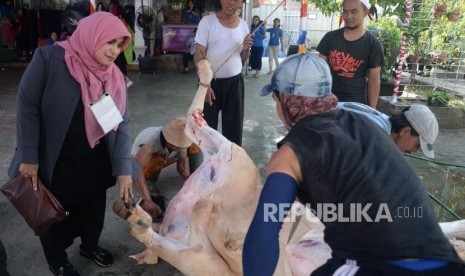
(64, 143)
(333, 158)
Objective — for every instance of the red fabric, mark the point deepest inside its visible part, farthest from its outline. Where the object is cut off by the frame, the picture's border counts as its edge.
(297, 107)
(92, 32)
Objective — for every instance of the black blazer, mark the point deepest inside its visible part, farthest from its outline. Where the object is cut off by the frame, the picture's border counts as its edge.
(47, 99)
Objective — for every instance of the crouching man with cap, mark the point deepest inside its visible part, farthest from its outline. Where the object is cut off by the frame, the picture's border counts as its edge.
(335, 158)
(154, 149)
(412, 128)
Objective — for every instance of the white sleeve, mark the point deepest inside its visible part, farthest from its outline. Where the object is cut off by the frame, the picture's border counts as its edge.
(150, 136)
(201, 37)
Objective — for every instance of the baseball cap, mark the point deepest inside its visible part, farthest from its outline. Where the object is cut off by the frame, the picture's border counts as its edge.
(424, 122)
(174, 132)
(301, 75)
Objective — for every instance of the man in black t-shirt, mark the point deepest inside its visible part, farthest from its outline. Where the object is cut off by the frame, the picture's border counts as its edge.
(350, 172)
(353, 54)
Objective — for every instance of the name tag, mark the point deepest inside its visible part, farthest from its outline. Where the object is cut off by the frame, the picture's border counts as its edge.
(106, 113)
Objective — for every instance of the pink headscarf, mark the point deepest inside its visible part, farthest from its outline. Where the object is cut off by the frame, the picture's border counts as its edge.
(297, 107)
(92, 32)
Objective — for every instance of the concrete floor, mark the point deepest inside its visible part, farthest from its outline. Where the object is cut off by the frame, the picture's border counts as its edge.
(152, 101)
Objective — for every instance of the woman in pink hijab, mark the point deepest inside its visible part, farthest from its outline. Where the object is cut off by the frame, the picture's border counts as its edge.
(73, 135)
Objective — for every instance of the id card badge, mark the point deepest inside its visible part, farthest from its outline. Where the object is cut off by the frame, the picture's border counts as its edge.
(106, 113)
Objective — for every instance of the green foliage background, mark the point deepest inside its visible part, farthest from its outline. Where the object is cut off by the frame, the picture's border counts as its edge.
(425, 34)
(390, 36)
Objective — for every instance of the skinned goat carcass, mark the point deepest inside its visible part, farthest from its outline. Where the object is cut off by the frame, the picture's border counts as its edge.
(205, 224)
(201, 224)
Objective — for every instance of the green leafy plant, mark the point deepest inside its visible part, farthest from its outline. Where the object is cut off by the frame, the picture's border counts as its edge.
(437, 36)
(390, 7)
(419, 34)
(390, 36)
(327, 7)
(438, 98)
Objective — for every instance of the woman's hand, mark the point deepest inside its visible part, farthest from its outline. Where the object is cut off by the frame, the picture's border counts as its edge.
(125, 187)
(30, 170)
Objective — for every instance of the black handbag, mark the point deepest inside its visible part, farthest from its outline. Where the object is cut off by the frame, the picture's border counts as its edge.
(40, 209)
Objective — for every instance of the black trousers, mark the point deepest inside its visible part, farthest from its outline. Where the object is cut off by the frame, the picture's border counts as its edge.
(229, 93)
(185, 59)
(85, 220)
(385, 269)
(256, 54)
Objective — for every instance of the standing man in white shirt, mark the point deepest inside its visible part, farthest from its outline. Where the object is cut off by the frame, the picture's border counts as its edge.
(223, 39)
(190, 51)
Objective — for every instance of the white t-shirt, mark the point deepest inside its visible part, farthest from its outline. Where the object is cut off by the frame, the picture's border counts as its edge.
(149, 136)
(220, 43)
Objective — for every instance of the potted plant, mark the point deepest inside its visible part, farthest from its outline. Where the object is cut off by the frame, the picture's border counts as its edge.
(438, 98)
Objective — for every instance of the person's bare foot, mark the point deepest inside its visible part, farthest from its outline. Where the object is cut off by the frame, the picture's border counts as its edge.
(270, 72)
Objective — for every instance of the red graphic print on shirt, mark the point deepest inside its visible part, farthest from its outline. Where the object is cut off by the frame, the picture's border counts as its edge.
(343, 63)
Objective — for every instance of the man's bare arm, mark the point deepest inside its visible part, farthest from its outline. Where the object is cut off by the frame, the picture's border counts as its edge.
(245, 54)
(373, 86)
(246, 45)
(183, 164)
(200, 52)
(149, 205)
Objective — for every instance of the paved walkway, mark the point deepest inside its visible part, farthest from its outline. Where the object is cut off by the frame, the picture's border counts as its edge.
(152, 101)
